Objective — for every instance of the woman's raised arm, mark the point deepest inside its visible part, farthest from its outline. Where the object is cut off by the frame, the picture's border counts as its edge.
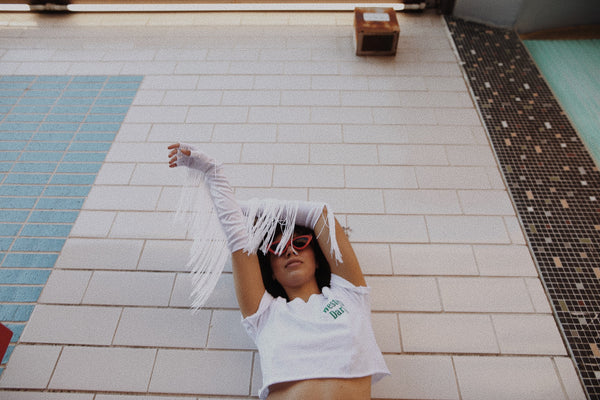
(348, 268)
(246, 269)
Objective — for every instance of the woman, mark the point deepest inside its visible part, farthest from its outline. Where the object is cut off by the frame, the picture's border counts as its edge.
(304, 301)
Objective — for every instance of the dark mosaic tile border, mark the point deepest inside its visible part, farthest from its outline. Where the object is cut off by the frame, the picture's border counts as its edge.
(553, 180)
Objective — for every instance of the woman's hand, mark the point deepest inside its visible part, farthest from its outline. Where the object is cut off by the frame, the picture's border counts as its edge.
(173, 154)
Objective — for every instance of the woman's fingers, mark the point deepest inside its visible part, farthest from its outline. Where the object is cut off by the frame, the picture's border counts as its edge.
(172, 155)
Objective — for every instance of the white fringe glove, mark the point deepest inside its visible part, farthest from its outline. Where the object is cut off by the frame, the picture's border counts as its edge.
(215, 236)
(228, 210)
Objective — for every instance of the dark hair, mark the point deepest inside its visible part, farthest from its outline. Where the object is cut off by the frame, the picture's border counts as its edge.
(322, 274)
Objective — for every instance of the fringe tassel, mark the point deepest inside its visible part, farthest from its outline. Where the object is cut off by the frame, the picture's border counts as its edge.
(209, 252)
(264, 215)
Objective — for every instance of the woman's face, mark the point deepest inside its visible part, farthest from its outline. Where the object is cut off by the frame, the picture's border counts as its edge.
(294, 268)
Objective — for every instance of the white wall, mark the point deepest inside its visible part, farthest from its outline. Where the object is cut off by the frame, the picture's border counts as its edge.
(530, 15)
(493, 12)
(547, 14)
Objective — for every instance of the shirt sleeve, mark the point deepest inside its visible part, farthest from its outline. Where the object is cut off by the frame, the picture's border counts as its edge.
(338, 281)
(253, 323)
(358, 294)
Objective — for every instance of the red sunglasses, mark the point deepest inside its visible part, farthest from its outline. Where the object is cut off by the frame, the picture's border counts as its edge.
(298, 243)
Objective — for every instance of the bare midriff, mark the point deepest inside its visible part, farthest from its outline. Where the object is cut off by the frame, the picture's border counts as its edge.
(322, 389)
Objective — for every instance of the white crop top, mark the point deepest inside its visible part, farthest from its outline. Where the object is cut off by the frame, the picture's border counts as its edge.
(330, 336)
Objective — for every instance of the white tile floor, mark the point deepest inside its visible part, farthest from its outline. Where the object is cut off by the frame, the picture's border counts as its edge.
(394, 144)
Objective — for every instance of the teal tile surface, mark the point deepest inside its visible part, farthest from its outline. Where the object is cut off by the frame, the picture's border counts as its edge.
(55, 132)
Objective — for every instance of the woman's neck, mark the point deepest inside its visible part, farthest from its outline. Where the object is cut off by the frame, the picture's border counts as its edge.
(303, 292)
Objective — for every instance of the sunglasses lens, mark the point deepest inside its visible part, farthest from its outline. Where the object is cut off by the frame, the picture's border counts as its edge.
(301, 242)
(273, 247)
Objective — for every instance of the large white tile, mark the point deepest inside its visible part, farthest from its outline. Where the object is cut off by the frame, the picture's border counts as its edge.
(90, 368)
(65, 286)
(570, 378)
(129, 288)
(447, 333)
(30, 367)
(310, 98)
(260, 133)
(374, 258)
(223, 297)
(452, 178)
(275, 153)
(486, 202)
(528, 334)
(72, 325)
(145, 225)
(330, 176)
(224, 82)
(138, 152)
(279, 115)
(418, 377)
(433, 259)
(457, 116)
(507, 378)
(341, 115)
(300, 194)
(169, 82)
(226, 331)
(165, 255)
(186, 133)
(408, 134)
(485, 295)
(122, 198)
(421, 202)
(93, 224)
(380, 177)
(404, 294)
(388, 228)
(387, 334)
(467, 229)
(157, 114)
(162, 327)
(281, 82)
(539, 297)
(310, 133)
(115, 174)
(438, 83)
(192, 97)
(403, 116)
(471, 155)
(100, 254)
(515, 230)
(43, 68)
(157, 174)
(254, 176)
(200, 371)
(348, 154)
(504, 261)
(349, 201)
(412, 155)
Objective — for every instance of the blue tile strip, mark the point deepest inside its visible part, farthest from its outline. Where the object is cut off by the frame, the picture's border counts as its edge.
(55, 132)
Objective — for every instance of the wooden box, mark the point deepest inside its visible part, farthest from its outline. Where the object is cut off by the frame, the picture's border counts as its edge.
(376, 31)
